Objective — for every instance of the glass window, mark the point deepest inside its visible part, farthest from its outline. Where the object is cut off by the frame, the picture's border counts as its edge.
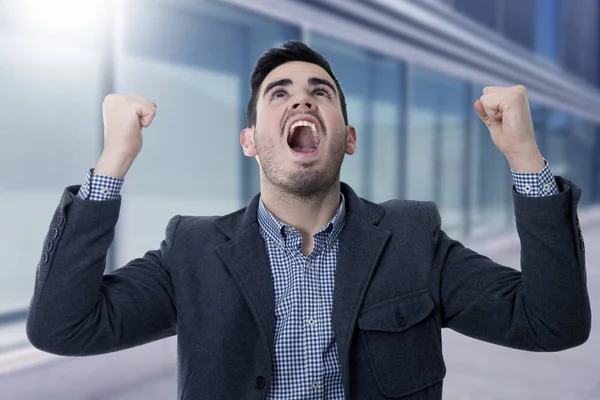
(387, 105)
(518, 21)
(555, 149)
(486, 12)
(192, 161)
(547, 25)
(437, 143)
(578, 33)
(50, 133)
(582, 142)
(569, 146)
(422, 132)
(454, 112)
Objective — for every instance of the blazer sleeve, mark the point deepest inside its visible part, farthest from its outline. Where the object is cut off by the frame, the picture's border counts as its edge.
(543, 307)
(78, 310)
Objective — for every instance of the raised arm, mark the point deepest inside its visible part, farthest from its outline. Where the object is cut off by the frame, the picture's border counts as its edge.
(76, 309)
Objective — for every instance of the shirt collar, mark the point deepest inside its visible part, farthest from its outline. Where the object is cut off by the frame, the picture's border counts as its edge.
(277, 229)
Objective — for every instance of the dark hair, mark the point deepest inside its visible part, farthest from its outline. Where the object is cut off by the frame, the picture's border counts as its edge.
(292, 50)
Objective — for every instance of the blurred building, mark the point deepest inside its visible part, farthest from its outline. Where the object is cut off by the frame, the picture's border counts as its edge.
(410, 69)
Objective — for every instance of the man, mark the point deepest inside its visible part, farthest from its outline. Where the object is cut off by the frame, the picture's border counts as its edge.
(310, 292)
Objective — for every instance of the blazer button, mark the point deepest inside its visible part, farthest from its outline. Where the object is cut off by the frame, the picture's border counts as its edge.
(45, 257)
(50, 245)
(54, 233)
(400, 320)
(259, 382)
(60, 220)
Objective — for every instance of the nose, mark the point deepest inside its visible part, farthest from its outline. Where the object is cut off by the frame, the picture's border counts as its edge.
(306, 104)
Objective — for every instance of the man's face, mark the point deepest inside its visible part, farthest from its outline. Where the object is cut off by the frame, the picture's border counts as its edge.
(300, 137)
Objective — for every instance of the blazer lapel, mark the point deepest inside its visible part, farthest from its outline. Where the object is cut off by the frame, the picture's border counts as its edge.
(361, 246)
(246, 258)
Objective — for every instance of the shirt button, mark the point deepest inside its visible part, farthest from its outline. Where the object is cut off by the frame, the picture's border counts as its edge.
(527, 188)
(546, 187)
(308, 265)
(316, 385)
(311, 322)
(281, 244)
(105, 191)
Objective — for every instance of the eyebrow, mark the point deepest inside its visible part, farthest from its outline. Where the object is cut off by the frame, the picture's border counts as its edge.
(320, 81)
(281, 82)
(288, 82)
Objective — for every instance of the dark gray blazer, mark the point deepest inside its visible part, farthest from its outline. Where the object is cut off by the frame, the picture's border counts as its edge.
(399, 280)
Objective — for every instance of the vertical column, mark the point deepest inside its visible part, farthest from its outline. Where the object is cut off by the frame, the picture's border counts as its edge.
(403, 108)
(469, 160)
(437, 146)
(246, 175)
(367, 137)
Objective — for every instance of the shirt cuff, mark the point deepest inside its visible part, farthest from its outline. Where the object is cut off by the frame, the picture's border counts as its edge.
(534, 184)
(100, 187)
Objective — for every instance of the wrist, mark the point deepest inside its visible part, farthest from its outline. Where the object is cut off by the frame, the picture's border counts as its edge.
(114, 166)
(527, 162)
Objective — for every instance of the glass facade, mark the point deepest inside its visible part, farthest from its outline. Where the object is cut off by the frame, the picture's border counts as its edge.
(579, 39)
(418, 136)
(437, 145)
(516, 23)
(547, 29)
(486, 12)
(43, 148)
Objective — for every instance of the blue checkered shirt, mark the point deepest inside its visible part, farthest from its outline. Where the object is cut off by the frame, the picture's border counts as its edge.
(306, 363)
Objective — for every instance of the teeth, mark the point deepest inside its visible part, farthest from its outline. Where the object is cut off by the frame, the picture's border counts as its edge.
(306, 123)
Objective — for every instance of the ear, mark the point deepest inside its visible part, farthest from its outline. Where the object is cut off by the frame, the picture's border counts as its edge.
(247, 142)
(351, 140)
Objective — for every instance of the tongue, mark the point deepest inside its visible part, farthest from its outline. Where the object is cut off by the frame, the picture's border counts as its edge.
(303, 140)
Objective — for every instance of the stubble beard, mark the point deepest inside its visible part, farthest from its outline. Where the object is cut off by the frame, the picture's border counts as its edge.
(306, 181)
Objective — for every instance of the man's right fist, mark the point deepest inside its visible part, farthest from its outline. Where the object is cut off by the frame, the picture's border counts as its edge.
(124, 117)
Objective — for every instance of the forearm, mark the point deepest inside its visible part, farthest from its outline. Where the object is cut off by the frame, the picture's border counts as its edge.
(77, 309)
(553, 279)
(69, 275)
(545, 307)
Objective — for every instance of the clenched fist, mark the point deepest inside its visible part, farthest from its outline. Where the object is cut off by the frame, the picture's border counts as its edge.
(124, 117)
(505, 111)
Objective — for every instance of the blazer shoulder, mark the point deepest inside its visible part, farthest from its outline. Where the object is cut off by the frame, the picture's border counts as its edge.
(403, 213)
(194, 223)
(191, 227)
(408, 207)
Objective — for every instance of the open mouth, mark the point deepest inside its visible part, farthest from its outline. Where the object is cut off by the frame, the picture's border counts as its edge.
(303, 137)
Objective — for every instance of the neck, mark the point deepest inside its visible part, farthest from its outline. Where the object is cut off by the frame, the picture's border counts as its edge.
(307, 214)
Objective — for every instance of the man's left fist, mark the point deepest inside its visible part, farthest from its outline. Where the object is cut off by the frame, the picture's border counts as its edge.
(505, 111)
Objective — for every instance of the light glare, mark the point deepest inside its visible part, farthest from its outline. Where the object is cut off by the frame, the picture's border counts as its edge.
(63, 17)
